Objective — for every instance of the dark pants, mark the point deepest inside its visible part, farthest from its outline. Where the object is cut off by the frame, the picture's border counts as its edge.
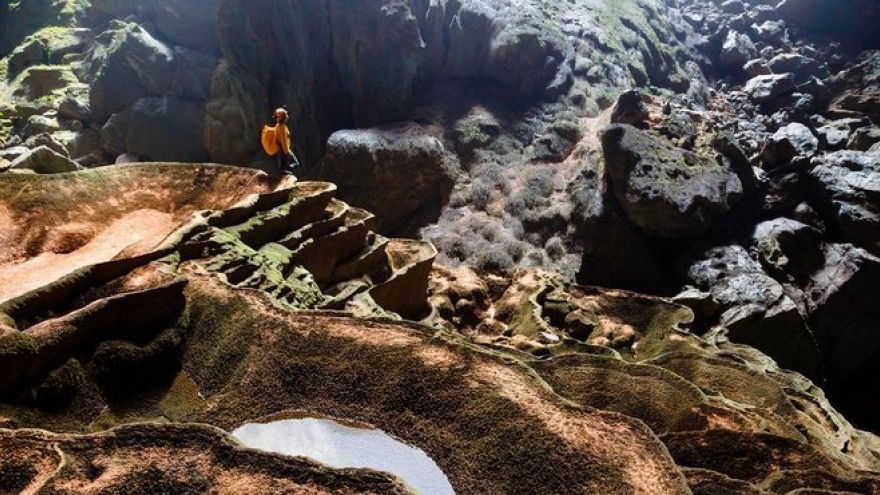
(281, 160)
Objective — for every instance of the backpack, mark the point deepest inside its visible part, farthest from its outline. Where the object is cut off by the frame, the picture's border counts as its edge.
(267, 137)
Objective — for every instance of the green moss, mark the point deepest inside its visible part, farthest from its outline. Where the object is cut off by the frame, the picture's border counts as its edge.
(664, 400)
(61, 387)
(7, 320)
(122, 368)
(219, 334)
(17, 344)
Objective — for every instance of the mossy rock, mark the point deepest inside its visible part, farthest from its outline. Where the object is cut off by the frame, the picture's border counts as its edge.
(663, 400)
(124, 368)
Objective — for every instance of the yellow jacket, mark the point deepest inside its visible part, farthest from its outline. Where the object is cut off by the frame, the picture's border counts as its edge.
(276, 139)
(282, 137)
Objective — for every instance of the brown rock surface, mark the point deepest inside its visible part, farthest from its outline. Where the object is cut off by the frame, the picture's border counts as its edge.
(214, 324)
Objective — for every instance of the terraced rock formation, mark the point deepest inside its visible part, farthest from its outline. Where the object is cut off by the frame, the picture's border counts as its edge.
(259, 296)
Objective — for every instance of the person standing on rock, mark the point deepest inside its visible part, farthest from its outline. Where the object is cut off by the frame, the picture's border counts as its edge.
(276, 142)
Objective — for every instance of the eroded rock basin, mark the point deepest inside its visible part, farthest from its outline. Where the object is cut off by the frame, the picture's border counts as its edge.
(346, 445)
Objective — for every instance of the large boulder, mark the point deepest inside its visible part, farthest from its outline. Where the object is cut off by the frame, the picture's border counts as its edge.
(193, 73)
(630, 109)
(843, 309)
(127, 64)
(801, 66)
(187, 23)
(43, 160)
(616, 254)
(755, 308)
(847, 189)
(794, 141)
(397, 172)
(842, 302)
(665, 190)
(159, 129)
(180, 22)
(788, 249)
(737, 49)
(763, 89)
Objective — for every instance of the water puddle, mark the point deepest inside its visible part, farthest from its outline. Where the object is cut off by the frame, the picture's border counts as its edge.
(347, 445)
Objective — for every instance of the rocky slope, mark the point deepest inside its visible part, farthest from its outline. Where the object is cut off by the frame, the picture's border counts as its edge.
(737, 185)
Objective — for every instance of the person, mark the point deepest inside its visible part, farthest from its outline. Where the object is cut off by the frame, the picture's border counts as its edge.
(276, 142)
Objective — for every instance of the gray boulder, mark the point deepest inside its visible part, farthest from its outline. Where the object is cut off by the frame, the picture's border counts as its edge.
(787, 248)
(847, 188)
(629, 109)
(43, 160)
(397, 172)
(193, 72)
(756, 67)
(159, 129)
(863, 138)
(755, 308)
(621, 256)
(128, 64)
(188, 23)
(801, 66)
(843, 309)
(794, 141)
(835, 135)
(180, 22)
(737, 49)
(770, 31)
(666, 190)
(75, 103)
(762, 89)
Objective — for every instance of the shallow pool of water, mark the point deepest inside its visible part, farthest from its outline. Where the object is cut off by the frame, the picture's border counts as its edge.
(347, 446)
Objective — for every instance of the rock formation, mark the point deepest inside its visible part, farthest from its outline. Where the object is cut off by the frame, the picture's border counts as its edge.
(655, 227)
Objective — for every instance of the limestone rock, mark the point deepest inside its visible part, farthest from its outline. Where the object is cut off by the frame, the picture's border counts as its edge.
(620, 256)
(788, 248)
(801, 66)
(128, 64)
(835, 135)
(843, 311)
(167, 129)
(863, 138)
(737, 49)
(365, 162)
(842, 306)
(794, 141)
(756, 309)
(630, 109)
(75, 103)
(847, 185)
(21, 19)
(666, 191)
(762, 89)
(43, 160)
(190, 24)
